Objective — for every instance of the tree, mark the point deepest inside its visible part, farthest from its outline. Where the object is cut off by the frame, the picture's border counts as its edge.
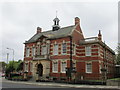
(118, 54)
(2, 66)
(20, 65)
(14, 66)
(10, 67)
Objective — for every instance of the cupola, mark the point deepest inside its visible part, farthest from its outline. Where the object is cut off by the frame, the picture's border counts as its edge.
(56, 24)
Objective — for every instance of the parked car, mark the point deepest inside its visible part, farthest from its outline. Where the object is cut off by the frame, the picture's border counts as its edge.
(3, 74)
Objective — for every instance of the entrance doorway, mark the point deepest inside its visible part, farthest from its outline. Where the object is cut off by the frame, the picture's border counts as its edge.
(40, 69)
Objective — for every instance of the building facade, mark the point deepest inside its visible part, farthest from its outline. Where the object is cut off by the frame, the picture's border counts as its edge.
(56, 53)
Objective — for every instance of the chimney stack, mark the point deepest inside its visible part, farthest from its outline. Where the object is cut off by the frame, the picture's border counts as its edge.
(39, 30)
(99, 36)
(77, 20)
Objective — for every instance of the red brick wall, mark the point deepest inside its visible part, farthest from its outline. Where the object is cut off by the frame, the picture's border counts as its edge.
(97, 55)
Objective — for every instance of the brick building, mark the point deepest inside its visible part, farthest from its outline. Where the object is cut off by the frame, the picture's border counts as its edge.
(49, 54)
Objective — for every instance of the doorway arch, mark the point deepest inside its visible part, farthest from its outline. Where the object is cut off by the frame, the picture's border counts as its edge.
(40, 69)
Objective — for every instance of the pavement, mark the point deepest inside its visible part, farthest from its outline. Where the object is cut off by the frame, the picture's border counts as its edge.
(64, 85)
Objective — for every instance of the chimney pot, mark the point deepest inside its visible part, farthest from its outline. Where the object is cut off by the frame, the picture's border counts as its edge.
(77, 20)
(99, 36)
(39, 30)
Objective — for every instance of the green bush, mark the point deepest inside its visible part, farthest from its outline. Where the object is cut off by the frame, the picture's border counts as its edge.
(17, 77)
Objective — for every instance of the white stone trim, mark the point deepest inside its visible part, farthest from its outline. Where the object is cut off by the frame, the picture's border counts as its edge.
(87, 61)
(78, 32)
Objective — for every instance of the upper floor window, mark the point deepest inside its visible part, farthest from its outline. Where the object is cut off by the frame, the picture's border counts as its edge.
(55, 50)
(88, 67)
(27, 52)
(44, 50)
(55, 67)
(33, 51)
(64, 50)
(63, 67)
(38, 49)
(88, 50)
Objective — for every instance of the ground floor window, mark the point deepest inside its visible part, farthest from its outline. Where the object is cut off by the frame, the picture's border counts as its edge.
(63, 67)
(55, 66)
(88, 67)
(26, 67)
(31, 67)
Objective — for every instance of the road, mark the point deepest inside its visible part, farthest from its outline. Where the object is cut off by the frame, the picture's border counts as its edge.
(14, 85)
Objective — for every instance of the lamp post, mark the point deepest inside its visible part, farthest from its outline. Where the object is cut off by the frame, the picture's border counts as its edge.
(13, 52)
(13, 57)
(7, 57)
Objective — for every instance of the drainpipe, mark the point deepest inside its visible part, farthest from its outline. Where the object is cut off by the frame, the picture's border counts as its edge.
(71, 57)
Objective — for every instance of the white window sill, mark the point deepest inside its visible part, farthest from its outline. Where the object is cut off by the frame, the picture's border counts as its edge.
(55, 71)
(63, 72)
(27, 56)
(25, 71)
(64, 53)
(87, 55)
(89, 72)
(55, 54)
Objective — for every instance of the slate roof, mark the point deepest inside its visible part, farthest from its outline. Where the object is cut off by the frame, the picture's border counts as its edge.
(95, 40)
(62, 32)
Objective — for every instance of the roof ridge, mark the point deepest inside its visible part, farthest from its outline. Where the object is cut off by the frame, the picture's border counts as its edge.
(60, 28)
(68, 26)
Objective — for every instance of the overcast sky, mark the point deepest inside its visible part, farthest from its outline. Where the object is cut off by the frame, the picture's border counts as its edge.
(20, 20)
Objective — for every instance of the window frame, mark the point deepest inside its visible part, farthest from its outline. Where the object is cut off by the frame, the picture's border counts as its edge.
(33, 51)
(53, 67)
(26, 67)
(63, 53)
(31, 67)
(62, 67)
(88, 52)
(55, 49)
(87, 71)
(44, 50)
(27, 52)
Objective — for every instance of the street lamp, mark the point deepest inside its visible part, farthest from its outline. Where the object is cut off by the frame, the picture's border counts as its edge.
(7, 57)
(13, 52)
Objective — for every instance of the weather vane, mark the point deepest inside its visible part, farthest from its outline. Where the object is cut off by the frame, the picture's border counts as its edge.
(56, 13)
